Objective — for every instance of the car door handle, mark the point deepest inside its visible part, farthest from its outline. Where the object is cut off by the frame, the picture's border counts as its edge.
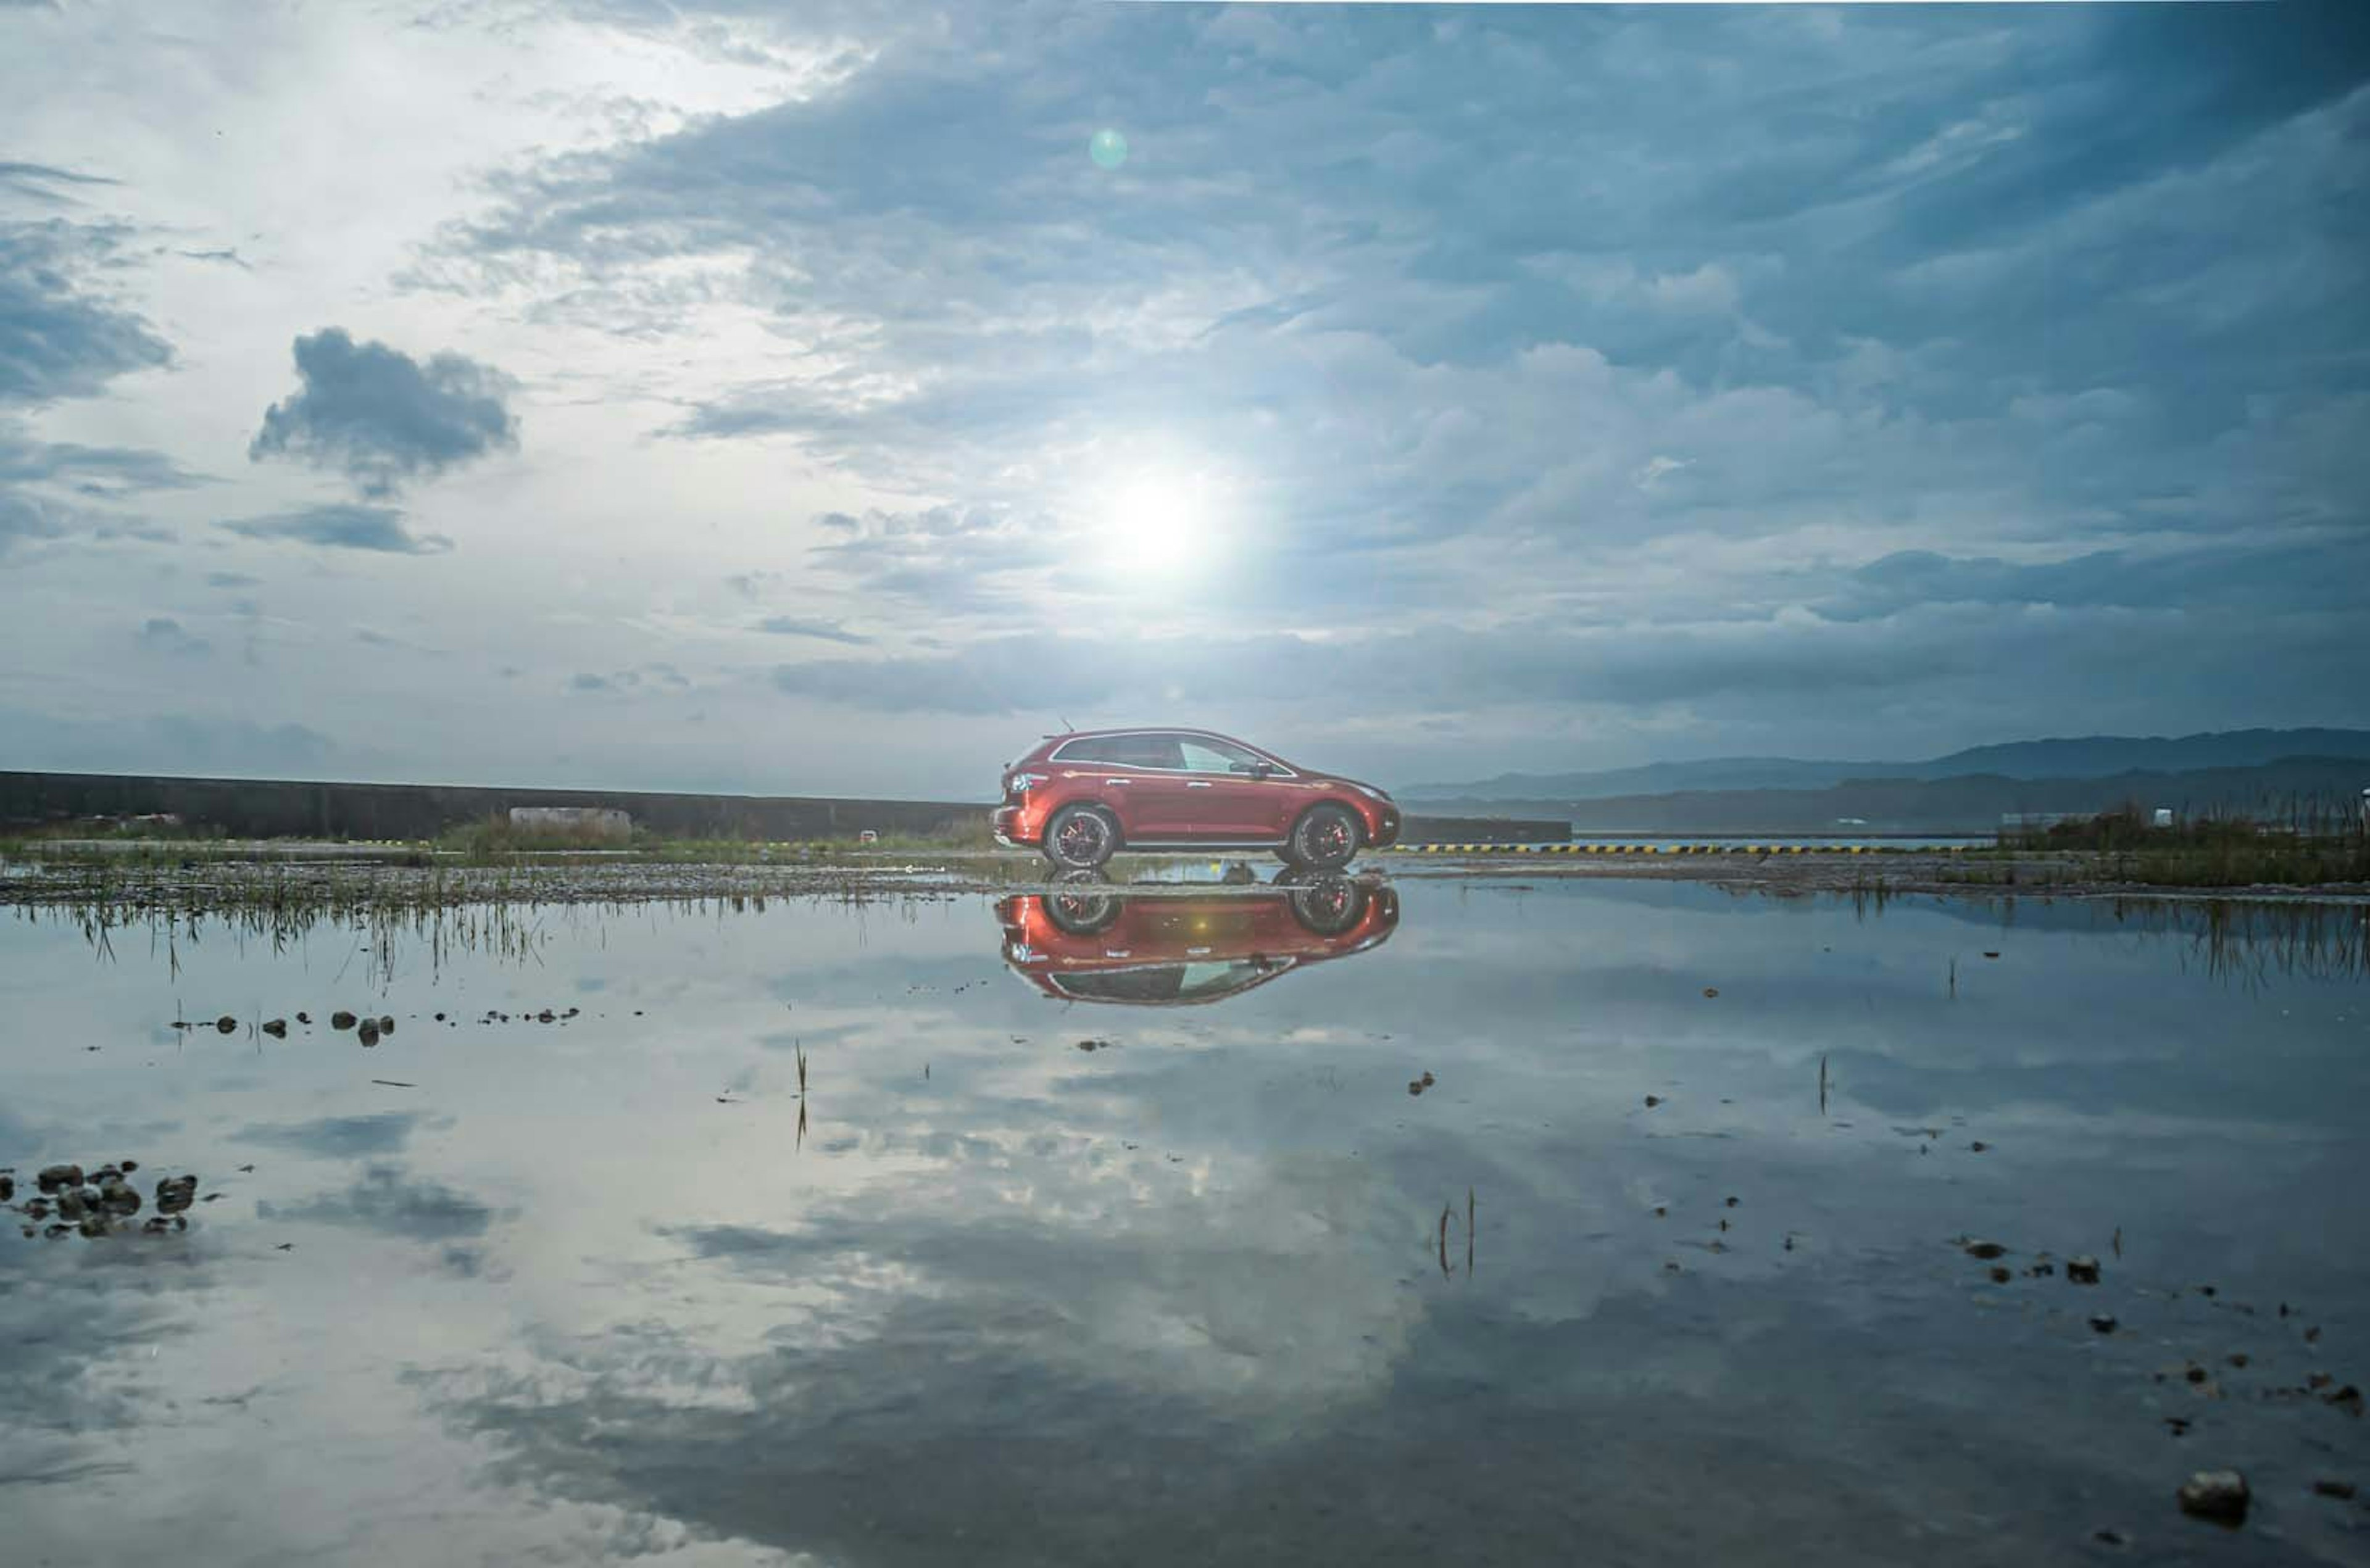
(1115, 780)
(1197, 783)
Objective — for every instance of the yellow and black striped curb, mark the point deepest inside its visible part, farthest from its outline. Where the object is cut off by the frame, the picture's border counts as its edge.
(1684, 849)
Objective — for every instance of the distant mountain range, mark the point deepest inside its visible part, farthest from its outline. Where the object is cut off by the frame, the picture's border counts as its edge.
(2075, 758)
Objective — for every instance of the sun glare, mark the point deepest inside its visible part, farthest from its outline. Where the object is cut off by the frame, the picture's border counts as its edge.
(1158, 525)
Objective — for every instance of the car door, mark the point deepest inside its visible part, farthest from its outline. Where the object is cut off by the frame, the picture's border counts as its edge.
(1228, 802)
(1149, 788)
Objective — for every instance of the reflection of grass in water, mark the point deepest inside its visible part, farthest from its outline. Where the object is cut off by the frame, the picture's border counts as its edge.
(509, 920)
(2247, 940)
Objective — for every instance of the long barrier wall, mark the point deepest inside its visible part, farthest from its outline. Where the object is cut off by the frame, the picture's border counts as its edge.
(267, 808)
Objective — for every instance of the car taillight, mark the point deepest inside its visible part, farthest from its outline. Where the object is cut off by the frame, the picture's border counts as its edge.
(1021, 784)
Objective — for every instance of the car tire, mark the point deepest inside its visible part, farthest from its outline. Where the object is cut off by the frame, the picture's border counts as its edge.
(1328, 906)
(1080, 837)
(1082, 914)
(1325, 839)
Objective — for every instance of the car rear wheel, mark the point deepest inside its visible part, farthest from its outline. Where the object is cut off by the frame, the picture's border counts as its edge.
(1328, 906)
(1324, 839)
(1080, 837)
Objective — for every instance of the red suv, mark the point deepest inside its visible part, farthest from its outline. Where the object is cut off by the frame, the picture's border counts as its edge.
(1084, 796)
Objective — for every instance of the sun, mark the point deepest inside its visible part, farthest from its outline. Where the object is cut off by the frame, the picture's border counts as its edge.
(1158, 525)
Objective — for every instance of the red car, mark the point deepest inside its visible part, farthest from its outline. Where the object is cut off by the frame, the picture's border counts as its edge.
(1154, 950)
(1084, 796)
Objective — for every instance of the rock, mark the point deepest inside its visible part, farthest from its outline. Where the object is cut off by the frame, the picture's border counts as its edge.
(440, 1018)
(1711, 991)
(1652, 1101)
(95, 1225)
(305, 1018)
(2333, 1488)
(117, 1198)
(55, 1232)
(1999, 1273)
(129, 1166)
(226, 1023)
(2108, 1537)
(544, 1017)
(2347, 1399)
(2239, 1358)
(156, 1225)
(1985, 1250)
(2196, 1374)
(341, 1020)
(2082, 1270)
(2218, 1494)
(1979, 1146)
(386, 1024)
(7, 1188)
(2103, 1321)
(368, 1033)
(175, 1193)
(103, 1175)
(277, 1028)
(70, 1203)
(52, 1177)
(2180, 1425)
(37, 1208)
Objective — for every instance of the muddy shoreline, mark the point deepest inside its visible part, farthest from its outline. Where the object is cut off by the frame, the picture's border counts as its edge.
(321, 881)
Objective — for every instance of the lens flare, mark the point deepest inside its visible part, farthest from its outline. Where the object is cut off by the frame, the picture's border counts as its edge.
(1107, 148)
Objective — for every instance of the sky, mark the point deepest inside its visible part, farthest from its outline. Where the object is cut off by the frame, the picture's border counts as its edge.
(835, 397)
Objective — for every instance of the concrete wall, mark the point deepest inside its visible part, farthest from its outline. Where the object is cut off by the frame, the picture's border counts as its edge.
(265, 809)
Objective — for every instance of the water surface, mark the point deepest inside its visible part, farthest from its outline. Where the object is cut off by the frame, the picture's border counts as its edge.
(1017, 1280)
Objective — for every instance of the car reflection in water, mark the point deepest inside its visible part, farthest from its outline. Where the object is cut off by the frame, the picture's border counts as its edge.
(1145, 949)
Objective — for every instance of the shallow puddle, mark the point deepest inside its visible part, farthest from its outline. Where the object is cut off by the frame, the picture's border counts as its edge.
(1458, 1221)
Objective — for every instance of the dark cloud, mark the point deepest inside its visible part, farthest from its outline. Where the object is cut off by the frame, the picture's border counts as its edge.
(803, 626)
(384, 1198)
(584, 680)
(59, 336)
(383, 417)
(339, 525)
(231, 580)
(1967, 656)
(163, 634)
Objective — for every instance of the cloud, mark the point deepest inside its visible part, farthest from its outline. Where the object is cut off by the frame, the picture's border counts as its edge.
(166, 743)
(384, 1198)
(231, 580)
(383, 417)
(584, 680)
(101, 471)
(163, 634)
(339, 1137)
(60, 336)
(339, 525)
(801, 626)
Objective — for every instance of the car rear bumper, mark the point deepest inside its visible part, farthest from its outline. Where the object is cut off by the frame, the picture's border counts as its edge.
(1012, 828)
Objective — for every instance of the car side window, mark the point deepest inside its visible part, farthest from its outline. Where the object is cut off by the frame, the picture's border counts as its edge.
(1154, 751)
(1095, 750)
(1214, 756)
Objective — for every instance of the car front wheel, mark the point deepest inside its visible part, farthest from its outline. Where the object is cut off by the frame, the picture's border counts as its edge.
(1080, 837)
(1325, 838)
